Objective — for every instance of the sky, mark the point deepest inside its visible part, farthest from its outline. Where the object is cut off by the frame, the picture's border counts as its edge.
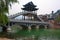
(45, 6)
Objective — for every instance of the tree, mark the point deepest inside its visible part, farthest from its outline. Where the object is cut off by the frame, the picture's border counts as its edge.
(57, 16)
(4, 9)
(58, 19)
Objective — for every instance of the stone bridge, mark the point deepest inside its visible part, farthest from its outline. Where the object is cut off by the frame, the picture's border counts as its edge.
(28, 23)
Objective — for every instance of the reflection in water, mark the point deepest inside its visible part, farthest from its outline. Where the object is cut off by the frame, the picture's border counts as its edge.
(34, 34)
(37, 38)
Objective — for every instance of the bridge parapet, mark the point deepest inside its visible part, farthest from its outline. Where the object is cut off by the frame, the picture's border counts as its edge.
(28, 21)
(15, 15)
(33, 12)
(18, 14)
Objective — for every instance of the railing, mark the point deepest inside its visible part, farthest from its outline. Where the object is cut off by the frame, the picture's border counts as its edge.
(15, 15)
(27, 21)
(33, 12)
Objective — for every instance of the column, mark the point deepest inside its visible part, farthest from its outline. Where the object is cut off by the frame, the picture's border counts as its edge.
(24, 17)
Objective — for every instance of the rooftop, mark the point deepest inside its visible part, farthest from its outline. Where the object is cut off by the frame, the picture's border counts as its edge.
(29, 7)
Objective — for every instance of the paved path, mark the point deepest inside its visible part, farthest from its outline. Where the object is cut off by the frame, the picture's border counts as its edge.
(5, 39)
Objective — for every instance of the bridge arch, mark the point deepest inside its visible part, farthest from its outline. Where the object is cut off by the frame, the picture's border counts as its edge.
(24, 27)
(33, 26)
(16, 26)
(41, 26)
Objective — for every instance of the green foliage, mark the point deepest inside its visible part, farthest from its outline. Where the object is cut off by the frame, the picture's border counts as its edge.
(4, 8)
(3, 19)
(58, 19)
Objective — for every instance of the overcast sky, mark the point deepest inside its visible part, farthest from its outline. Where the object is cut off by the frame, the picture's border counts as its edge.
(45, 6)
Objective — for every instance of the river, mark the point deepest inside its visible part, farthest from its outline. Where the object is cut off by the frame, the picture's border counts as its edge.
(40, 34)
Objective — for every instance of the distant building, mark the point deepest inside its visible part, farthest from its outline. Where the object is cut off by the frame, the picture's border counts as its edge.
(50, 16)
(56, 14)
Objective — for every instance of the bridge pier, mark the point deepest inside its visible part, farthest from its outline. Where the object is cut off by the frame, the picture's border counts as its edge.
(20, 27)
(9, 29)
(37, 27)
(29, 27)
(45, 26)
